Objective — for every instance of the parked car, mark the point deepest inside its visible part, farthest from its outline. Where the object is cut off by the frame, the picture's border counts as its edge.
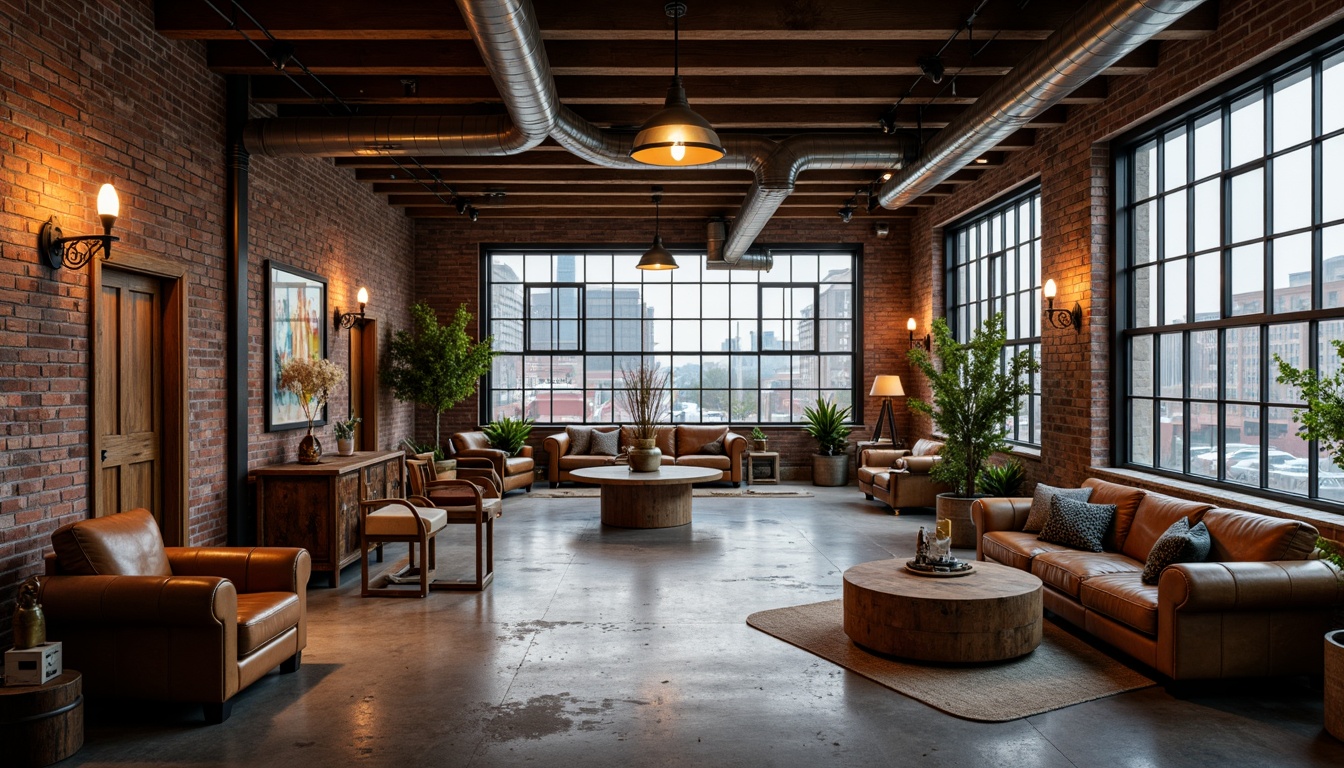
(1248, 470)
(1207, 463)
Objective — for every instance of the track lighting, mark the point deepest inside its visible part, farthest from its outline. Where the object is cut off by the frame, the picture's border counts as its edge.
(460, 205)
(846, 213)
(887, 123)
(280, 55)
(472, 213)
(932, 67)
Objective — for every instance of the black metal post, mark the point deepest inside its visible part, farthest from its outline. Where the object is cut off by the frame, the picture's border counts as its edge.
(241, 520)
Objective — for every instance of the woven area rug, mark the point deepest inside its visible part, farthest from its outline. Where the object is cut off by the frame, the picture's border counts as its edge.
(593, 493)
(1062, 672)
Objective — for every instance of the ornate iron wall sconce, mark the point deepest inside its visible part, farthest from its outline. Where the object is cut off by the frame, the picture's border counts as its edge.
(1061, 318)
(351, 319)
(924, 343)
(74, 252)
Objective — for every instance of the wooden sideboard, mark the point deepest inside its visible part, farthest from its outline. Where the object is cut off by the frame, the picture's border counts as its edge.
(316, 506)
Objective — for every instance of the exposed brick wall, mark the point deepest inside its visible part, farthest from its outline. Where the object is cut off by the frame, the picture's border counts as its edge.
(448, 255)
(1073, 164)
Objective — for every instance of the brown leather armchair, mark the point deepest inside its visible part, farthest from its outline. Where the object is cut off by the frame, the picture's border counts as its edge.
(901, 478)
(145, 621)
(472, 450)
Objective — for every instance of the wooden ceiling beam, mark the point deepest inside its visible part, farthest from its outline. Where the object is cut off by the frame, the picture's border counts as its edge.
(641, 212)
(630, 198)
(475, 190)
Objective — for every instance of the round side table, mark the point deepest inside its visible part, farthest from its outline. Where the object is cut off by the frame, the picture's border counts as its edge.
(42, 724)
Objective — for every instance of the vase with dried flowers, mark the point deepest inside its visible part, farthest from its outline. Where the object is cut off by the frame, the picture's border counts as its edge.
(312, 381)
(645, 399)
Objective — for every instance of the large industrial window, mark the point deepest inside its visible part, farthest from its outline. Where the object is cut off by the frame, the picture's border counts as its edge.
(994, 267)
(741, 346)
(1231, 252)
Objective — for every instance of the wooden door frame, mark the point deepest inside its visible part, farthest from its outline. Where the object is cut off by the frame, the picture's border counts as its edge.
(172, 277)
(364, 347)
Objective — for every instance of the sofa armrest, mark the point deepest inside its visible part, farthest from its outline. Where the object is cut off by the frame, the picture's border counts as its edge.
(1279, 585)
(734, 445)
(556, 446)
(998, 514)
(251, 569)
(495, 456)
(165, 601)
(525, 451)
(881, 457)
(917, 465)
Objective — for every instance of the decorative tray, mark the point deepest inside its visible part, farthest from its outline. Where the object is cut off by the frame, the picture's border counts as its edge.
(955, 568)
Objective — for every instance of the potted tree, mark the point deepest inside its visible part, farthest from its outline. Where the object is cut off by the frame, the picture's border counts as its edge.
(645, 398)
(828, 424)
(974, 396)
(436, 366)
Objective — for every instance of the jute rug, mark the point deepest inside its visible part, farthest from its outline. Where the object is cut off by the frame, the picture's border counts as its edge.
(1062, 672)
(593, 493)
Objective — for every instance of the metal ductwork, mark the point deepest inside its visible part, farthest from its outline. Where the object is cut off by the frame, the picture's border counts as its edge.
(1095, 38)
(717, 232)
(777, 176)
(509, 39)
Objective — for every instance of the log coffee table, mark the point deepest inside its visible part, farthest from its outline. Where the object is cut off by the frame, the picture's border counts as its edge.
(659, 499)
(993, 614)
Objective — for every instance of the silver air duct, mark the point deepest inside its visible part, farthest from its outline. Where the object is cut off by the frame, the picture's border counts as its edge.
(507, 35)
(1093, 39)
(716, 233)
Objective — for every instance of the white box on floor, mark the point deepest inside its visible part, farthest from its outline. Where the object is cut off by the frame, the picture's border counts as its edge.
(33, 666)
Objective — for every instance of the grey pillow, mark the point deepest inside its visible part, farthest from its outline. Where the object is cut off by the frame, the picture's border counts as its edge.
(580, 438)
(605, 443)
(1077, 524)
(1040, 504)
(713, 449)
(1179, 544)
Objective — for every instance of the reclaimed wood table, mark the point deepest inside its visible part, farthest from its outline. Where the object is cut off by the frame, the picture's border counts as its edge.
(993, 614)
(42, 724)
(659, 499)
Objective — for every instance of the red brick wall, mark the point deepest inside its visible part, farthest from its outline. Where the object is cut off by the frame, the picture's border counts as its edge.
(1073, 164)
(448, 254)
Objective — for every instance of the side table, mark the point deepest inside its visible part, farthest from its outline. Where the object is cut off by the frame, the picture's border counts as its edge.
(766, 458)
(41, 724)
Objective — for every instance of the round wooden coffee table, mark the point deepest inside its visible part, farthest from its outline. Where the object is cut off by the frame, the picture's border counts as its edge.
(990, 615)
(659, 499)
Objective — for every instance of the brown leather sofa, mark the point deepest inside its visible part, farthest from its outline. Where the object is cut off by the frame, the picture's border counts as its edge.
(472, 449)
(900, 477)
(681, 445)
(1257, 608)
(144, 621)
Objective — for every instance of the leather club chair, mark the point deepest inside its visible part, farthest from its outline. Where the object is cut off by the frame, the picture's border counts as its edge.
(901, 478)
(143, 621)
(472, 449)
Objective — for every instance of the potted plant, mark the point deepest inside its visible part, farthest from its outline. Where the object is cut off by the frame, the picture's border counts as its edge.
(508, 434)
(759, 440)
(828, 424)
(974, 397)
(442, 464)
(436, 366)
(345, 436)
(312, 381)
(1002, 480)
(645, 399)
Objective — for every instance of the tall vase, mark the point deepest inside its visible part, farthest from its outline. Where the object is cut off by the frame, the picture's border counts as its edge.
(645, 457)
(310, 450)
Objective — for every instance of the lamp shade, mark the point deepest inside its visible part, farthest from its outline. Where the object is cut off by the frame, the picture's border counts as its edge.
(363, 296)
(657, 257)
(677, 135)
(886, 386)
(1049, 289)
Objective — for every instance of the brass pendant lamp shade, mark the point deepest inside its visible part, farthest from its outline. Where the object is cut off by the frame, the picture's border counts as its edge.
(676, 135)
(657, 257)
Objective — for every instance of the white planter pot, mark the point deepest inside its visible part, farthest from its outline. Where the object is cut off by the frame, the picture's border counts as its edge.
(345, 447)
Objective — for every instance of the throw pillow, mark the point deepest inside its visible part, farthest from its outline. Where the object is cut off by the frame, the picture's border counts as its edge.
(1180, 544)
(1040, 504)
(713, 449)
(605, 443)
(1077, 524)
(580, 438)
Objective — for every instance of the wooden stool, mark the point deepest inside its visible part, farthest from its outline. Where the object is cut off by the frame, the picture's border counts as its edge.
(41, 724)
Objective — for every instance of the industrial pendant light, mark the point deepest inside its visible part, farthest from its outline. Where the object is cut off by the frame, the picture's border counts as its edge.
(657, 257)
(677, 136)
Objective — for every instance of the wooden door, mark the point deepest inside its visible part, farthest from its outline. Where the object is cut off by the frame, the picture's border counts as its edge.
(129, 408)
(364, 383)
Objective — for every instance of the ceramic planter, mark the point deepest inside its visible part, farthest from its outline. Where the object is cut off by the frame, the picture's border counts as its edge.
(830, 471)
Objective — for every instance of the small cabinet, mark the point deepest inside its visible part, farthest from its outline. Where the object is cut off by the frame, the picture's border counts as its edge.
(316, 506)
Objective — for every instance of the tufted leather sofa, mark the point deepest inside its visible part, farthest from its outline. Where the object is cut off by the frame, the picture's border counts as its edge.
(1258, 607)
(145, 621)
(472, 449)
(900, 477)
(681, 445)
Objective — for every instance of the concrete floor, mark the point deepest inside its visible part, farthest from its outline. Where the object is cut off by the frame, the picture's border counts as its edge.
(609, 647)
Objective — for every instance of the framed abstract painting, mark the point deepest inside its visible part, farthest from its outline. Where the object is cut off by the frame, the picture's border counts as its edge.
(296, 305)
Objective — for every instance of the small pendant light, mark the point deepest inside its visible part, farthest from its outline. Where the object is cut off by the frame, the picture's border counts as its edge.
(676, 135)
(657, 257)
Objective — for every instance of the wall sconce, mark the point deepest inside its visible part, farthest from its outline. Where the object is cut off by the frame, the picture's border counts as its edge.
(923, 343)
(74, 252)
(351, 319)
(1061, 318)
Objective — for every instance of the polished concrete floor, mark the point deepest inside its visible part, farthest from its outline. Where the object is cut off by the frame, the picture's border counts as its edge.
(607, 647)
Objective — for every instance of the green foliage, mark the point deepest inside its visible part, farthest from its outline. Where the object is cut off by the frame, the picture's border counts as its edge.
(757, 434)
(974, 396)
(1323, 419)
(419, 448)
(1332, 553)
(436, 366)
(826, 423)
(345, 430)
(508, 434)
(1002, 480)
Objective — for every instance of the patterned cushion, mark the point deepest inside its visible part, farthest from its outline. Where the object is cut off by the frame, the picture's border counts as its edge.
(605, 443)
(580, 438)
(1180, 544)
(1040, 504)
(1077, 524)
